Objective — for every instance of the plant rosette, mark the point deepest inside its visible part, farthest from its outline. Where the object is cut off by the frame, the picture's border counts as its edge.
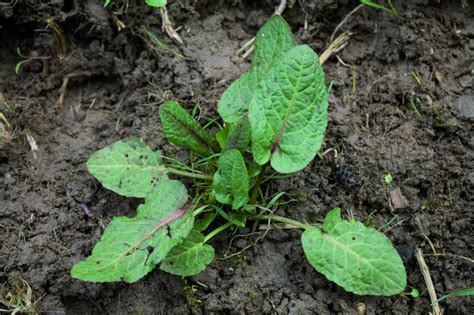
(275, 117)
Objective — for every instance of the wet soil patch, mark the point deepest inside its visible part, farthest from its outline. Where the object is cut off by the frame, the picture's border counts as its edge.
(401, 103)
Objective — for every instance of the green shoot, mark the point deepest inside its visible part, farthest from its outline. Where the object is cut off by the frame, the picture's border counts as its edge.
(414, 293)
(414, 108)
(388, 179)
(27, 59)
(375, 5)
(458, 293)
(162, 45)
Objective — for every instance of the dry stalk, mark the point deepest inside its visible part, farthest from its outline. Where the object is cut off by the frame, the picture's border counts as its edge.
(429, 282)
(336, 46)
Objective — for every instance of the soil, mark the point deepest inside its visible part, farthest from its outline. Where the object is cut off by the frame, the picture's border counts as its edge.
(402, 102)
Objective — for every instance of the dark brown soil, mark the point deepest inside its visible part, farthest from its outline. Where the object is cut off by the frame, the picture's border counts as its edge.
(123, 78)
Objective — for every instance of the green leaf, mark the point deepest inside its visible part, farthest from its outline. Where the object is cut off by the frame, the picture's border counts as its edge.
(288, 113)
(272, 40)
(106, 2)
(332, 218)
(239, 136)
(231, 182)
(156, 3)
(234, 102)
(414, 293)
(360, 259)
(190, 257)
(221, 137)
(19, 65)
(128, 167)
(183, 130)
(231, 217)
(458, 293)
(131, 247)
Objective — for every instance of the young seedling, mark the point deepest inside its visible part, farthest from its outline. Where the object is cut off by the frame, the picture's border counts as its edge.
(151, 3)
(458, 293)
(414, 293)
(27, 59)
(165, 20)
(275, 117)
(391, 9)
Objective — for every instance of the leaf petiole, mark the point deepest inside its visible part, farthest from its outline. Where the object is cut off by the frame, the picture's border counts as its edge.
(189, 174)
(217, 231)
(256, 187)
(281, 219)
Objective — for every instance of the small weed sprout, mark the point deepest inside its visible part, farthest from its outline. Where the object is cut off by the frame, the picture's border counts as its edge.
(27, 59)
(391, 9)
(18, 298)
(165, 20)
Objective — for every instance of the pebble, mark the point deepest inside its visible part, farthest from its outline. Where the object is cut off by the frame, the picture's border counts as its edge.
(464, 107)
(228, 271)
(398, 200)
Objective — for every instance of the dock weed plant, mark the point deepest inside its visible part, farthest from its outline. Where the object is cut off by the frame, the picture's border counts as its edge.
(275, 116)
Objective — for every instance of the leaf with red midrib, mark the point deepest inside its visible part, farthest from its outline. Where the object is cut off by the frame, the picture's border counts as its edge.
(131, 247)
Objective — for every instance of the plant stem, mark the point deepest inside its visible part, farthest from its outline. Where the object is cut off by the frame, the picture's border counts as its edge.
(189, 174)
(278, 218)
(217, 231)
(256, 187)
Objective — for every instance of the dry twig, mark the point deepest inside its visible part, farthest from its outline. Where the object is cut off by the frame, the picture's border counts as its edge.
(336, 46)
(425, 236)
(63, 88)
(248, 47)
(429, 282)
(345, 20)
(168, 26)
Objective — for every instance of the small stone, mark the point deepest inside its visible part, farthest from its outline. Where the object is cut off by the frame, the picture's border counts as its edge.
(228, 271)
(240, 243)
(471, 178)
(398, 199)
(464, 107)
(9, 179)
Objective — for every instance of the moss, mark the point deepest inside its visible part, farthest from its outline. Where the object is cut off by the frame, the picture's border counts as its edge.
(190, 293)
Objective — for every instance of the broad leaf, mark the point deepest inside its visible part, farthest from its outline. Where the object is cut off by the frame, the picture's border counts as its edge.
(131, 247)
(231, 182)
(234, 102)
(183, 130)
(288, 113)
(221, 137)
(272, 40)
(190, 257)
(360, 259)
(156, 3)
(239, 136)
(127, 167)
(332, 219)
